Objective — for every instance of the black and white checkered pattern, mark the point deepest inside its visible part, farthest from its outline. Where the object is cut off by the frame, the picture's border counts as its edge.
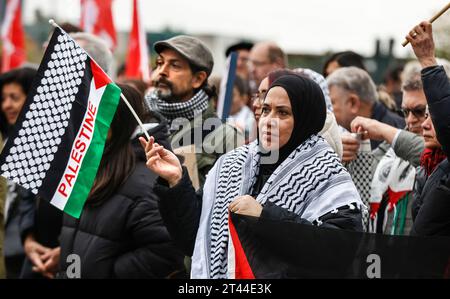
(47, 115)
(310, 176)
(360, 170)
(187, 110)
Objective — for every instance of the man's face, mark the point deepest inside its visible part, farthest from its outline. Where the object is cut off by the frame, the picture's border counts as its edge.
(242, 63)
(413, 105)
(342, 106)
(260, 64)
(172, 78)
(258, 98)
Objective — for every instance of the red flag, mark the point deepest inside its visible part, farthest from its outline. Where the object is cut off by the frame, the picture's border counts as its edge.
(96, 18)
(137, 60)
(13, 39)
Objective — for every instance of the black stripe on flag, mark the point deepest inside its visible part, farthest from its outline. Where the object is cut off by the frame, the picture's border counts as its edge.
(285, 249)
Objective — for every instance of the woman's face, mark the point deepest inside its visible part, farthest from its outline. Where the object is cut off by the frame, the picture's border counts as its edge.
(13, 99)
(277, 121)
(259, 98)
(429, 134)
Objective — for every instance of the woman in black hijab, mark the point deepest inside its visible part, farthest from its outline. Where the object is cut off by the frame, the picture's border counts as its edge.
(289, 173)
(309, 112)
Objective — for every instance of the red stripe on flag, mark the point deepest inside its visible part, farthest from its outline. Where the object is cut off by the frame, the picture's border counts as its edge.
(374, 206)
(243, 269)
(394, 197)
(100, 77)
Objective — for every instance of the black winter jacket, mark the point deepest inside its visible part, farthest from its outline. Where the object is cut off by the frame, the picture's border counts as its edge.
(181, 206)
(43, 220)
(124, 236)
(433, 209)
(424, 185)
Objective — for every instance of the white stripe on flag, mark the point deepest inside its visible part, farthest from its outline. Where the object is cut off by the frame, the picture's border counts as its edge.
(64, 190)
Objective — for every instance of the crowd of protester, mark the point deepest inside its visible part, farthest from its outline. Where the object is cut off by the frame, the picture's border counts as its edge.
(331, 150)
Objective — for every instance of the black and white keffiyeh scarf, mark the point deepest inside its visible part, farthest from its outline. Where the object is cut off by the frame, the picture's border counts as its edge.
(188, 110)
(310, 182)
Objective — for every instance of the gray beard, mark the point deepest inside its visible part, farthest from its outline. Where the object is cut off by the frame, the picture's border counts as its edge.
(169, 97)
(165, 96)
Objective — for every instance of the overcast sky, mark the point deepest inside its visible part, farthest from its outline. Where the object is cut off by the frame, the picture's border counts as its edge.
(311, 26)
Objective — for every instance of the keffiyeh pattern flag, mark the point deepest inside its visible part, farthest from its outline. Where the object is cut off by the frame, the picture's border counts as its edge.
(58, 141)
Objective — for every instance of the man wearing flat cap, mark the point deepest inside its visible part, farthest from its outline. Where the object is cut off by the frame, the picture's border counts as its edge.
(182, 95)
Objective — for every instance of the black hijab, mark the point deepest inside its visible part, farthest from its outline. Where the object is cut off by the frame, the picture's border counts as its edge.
(309, 111)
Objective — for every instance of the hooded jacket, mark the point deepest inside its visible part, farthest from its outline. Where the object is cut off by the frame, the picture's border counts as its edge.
(433, 206)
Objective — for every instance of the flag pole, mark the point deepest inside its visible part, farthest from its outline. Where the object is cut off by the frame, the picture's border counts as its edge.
(53, 23)
(135, 115)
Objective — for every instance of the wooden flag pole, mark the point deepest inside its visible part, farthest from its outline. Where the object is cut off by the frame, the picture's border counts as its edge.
(53, 23)
(440, 13)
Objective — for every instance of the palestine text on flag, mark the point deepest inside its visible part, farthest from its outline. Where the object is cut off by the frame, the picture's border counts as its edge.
(60, 135)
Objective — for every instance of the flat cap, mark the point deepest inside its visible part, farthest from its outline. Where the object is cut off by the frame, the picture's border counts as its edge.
(191, 48)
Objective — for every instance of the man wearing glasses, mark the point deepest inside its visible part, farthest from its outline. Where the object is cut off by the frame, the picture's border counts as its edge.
(266, 57)
(394, 161)
(408, 144)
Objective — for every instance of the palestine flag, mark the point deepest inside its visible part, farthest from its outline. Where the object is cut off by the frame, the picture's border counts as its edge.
(58, 141)
(265, 249)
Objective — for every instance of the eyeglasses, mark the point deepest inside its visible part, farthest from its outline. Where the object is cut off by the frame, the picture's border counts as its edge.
(258, 97)
(418, 112)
